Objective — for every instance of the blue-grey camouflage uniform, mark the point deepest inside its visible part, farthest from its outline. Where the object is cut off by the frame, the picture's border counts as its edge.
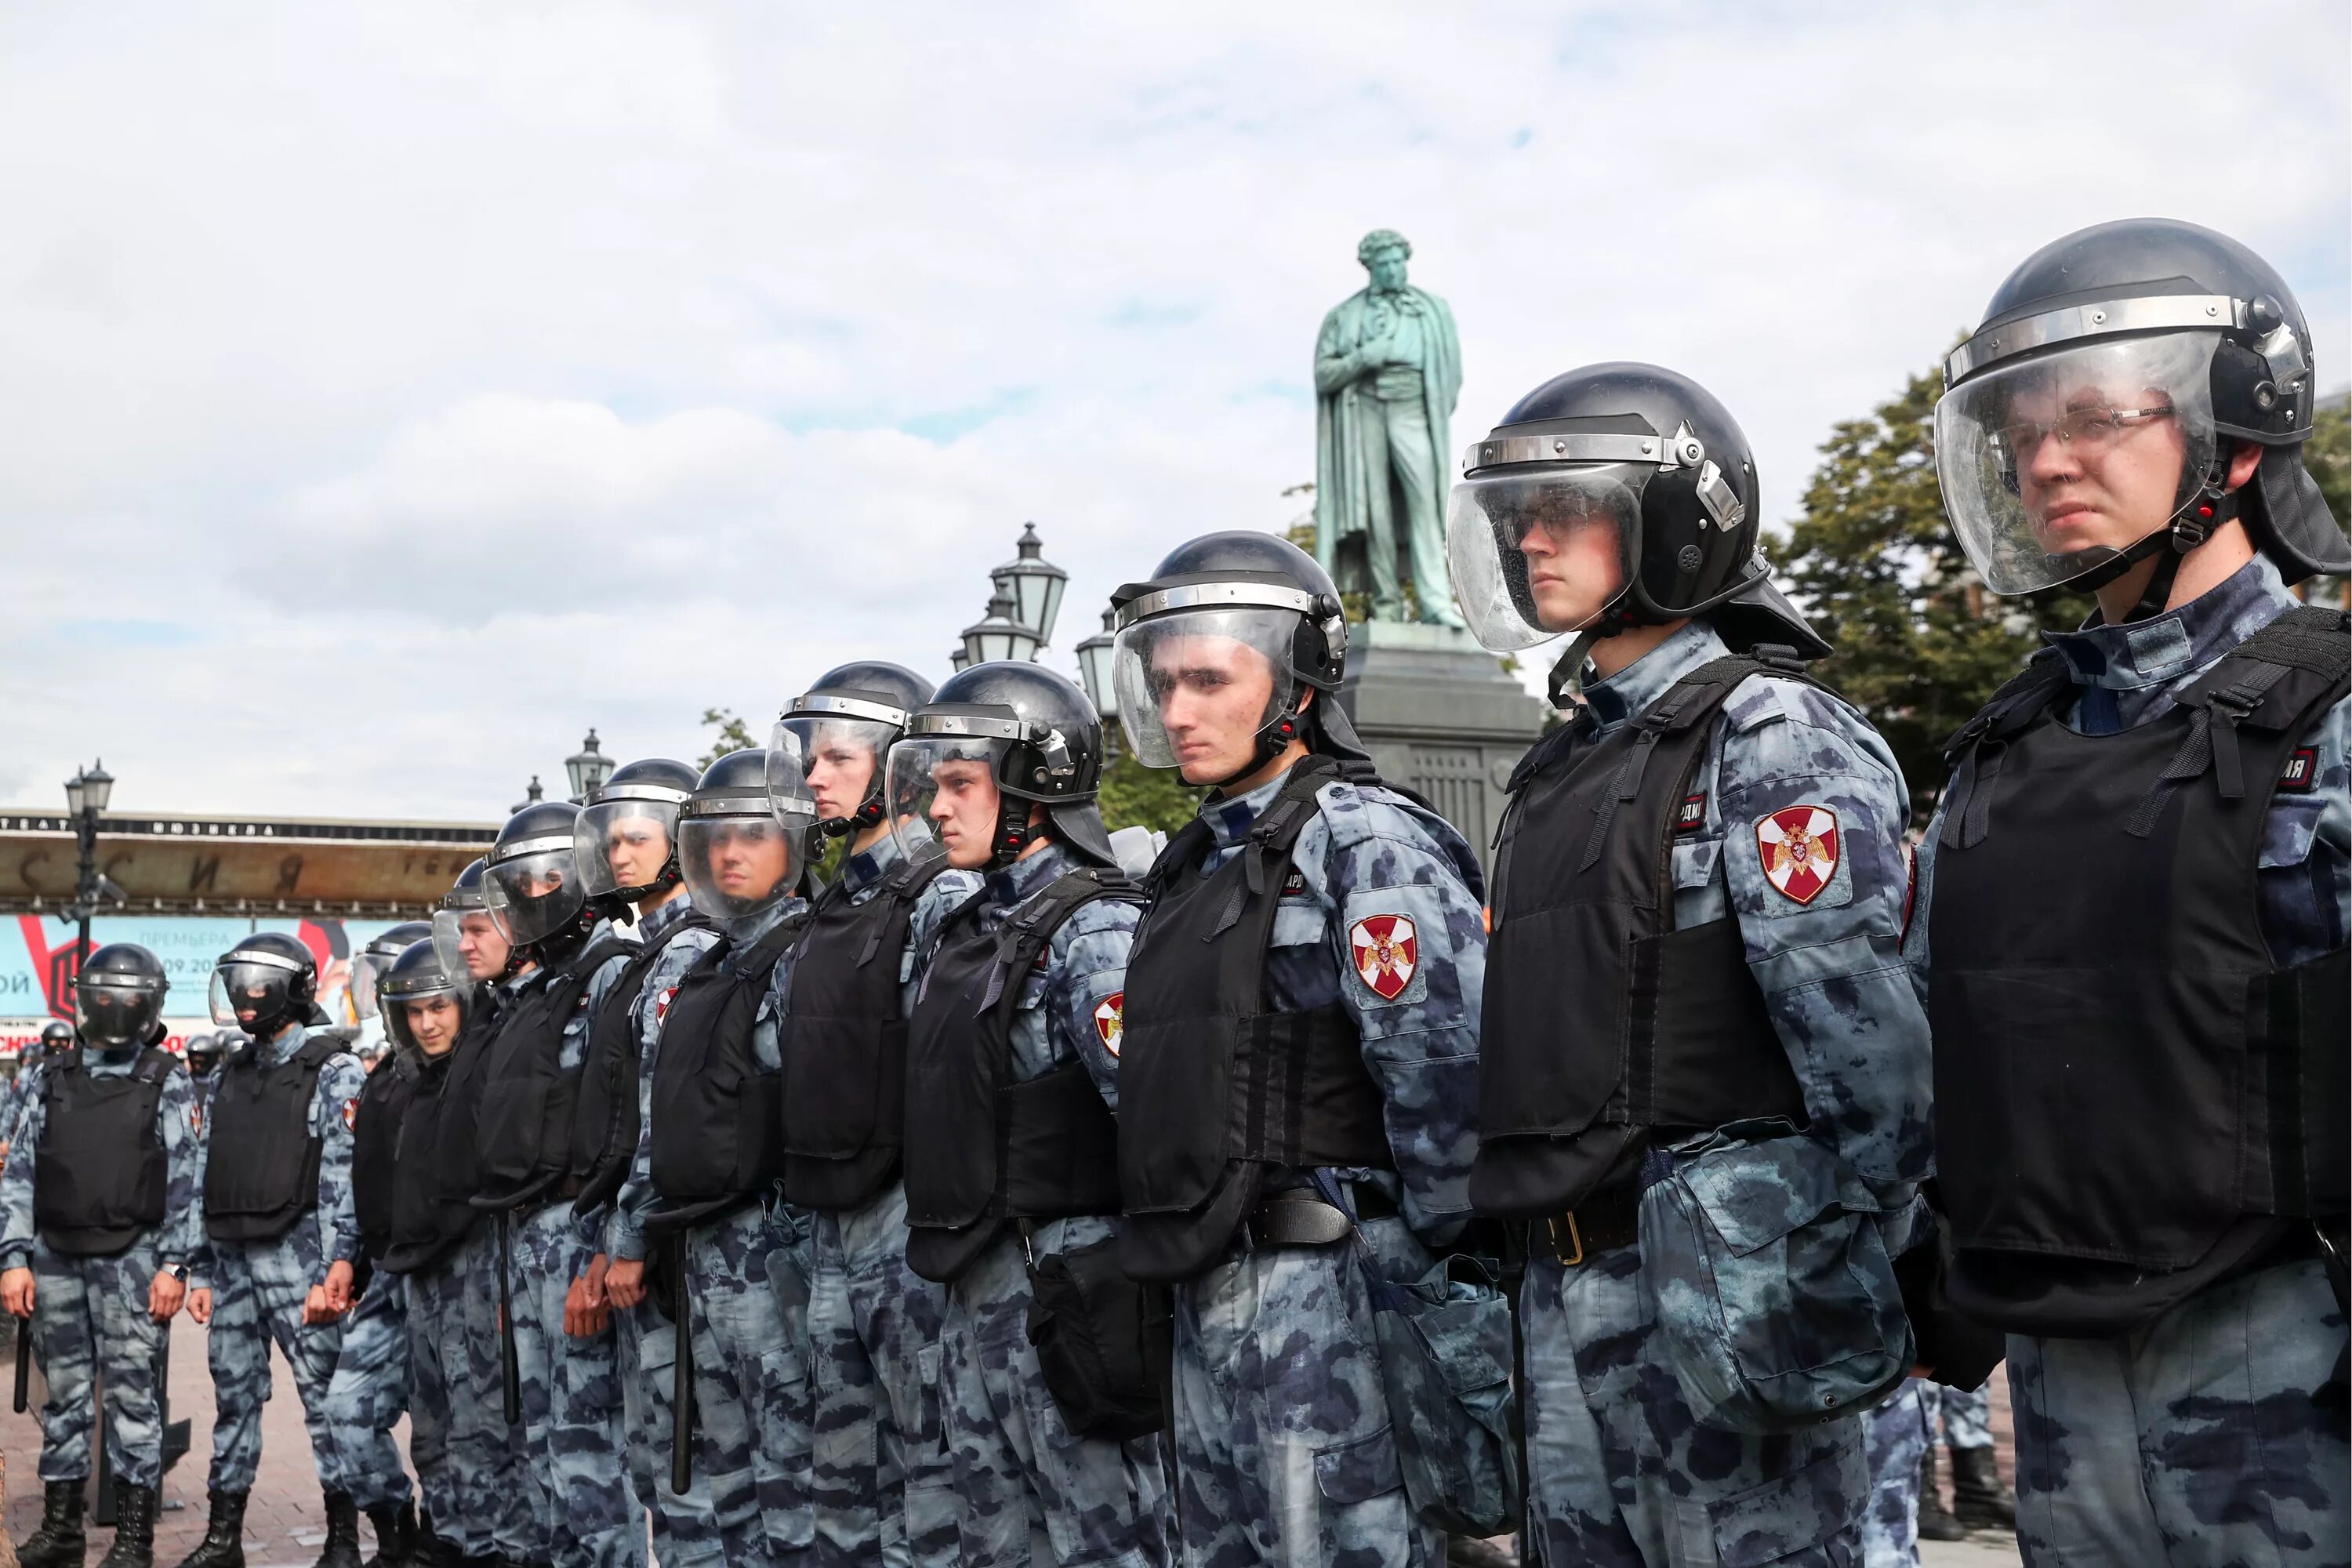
(1619, 1472)
(441, 1445)
(685, 1532)
(370, 1390)
(259, 1291)
(570, 1387)
(2215, 1433)
(1284, 1446)
(511, 1500)
(1029, 1490)
(90, 1314)
(1967, 1416)
(882, 1479)
(1895, 1436)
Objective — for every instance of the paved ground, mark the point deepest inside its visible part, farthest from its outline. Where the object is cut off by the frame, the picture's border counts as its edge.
(283, 1526)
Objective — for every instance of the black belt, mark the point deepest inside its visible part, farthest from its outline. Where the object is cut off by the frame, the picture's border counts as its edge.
(1300, 1219)
(1606, 1220)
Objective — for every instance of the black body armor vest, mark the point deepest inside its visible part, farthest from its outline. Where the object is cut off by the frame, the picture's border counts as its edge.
(2123, 1073)
(385, 1100)
(845, 1043)
(607, 1119)
(261, 1169)
(1216, 1086)
(718, 1141)
(430, 1212)
(1603, 1027)
(527, 1097)
(100, 1173)
(980, 1149)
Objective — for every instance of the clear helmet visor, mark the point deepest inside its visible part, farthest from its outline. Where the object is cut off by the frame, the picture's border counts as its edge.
(468, 942)
(2053, 466)
(1539, 553)
(622, 845)
(942, 793)
(534, 895)
(367, 968)
(1197, 686)
(113, 1016)
(738, 865)
(427, 1021)
(832, 763)
(258, 991)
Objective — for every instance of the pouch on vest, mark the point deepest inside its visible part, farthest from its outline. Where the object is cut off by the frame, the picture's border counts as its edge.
(1102, 1342)
(1445, 1368)
(88, 1200)
(1777, 1302)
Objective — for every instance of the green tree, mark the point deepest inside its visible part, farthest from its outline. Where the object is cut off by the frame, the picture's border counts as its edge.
(1920, 643)
(1135, 796)
(732, 735)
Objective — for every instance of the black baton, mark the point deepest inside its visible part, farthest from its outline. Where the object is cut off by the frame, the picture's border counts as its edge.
(24, 1363)
(509, 1369)
(681, 1387)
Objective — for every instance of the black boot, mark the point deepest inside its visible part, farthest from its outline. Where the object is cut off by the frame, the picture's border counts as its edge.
(134, 1529)
(396, 1535)
(60, 1541)
(224, 1542)
(1936, 1520)
(1979, 1500)
(342, 1545)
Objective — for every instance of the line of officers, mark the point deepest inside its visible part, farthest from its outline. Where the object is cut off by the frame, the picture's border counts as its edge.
(1289, 1195)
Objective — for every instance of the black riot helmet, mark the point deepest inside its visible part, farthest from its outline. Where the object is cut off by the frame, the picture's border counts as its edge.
(625, 842)
(416, 989)
(2141, 336)
(1245, 589)
(1618, 495)
(56, 1034)
(375, 956)
(742, 851)
(1041, 739)
(263, 983)
(530, 880)
(852, 709)
(203, 1052)
(119, 997)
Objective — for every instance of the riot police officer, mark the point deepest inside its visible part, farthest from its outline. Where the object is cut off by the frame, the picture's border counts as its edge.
(625, 847)
(203, 1052)
(1011, 1089)
(566, 1382)
(371, 1386)
(97, 1227)
(881, 1474)
(2133, 906)
(1312, 928)
(281, 1241)
(712, 1156)
(56, 1038)
(1691, 991)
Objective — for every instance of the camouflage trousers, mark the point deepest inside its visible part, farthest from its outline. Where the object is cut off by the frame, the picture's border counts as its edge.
(2213, 1436)
(1967, 1417)
(685, 1534)
(439, 1445)
(370, 1390)
(884, 1482)
(571, 1400)
(747, 1291)
(1619, 1473)
(1028, 1490)
(1895, 1436)
(1285, 1450)
(259, 1291)
(90, 1318)
(516, 1509)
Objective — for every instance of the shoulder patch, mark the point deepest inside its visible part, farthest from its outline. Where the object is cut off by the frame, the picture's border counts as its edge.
(1110, 1021)
(1692, 816)
(1799, 845)
(2302, 770)
(351, 1113)
(1386, 952)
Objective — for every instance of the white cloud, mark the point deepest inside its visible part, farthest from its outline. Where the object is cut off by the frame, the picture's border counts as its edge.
(393, 392)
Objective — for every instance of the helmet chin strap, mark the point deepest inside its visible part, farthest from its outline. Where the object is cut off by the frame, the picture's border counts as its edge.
(1014, 830)
(2207, 510)
(1272, 742)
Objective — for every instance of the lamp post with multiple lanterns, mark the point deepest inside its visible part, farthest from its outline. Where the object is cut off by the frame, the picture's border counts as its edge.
(87, 793)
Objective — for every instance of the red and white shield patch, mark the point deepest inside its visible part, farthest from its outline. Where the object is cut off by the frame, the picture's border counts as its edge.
(1110, 1020)
(1799, 847)
(1387, 951)
(661, 1004)
(351, 1113)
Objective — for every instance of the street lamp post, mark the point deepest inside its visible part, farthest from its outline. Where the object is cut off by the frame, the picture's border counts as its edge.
(87, 793)
(1033, 585)
(1095, 664)
(998, 636)
(587, 768)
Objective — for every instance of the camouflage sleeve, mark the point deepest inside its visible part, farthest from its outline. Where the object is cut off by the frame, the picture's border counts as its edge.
(946, 891)
(1408, 936)
(1086, 987)
(574, 1055)
(16, 1231)
(2305, 866)
(625, 1232)
(183, 1227)
(333, 1109)
(200, 1261)
(1812, 810)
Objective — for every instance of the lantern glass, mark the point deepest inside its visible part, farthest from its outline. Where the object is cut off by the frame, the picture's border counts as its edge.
(76, 794)
(97, 787)
(587, 768)
(1094, 666)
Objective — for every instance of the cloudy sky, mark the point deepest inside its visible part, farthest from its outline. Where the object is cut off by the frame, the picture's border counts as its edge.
(391, 392)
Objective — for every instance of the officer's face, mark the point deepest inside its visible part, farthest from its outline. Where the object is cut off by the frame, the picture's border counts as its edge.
(1386, 267)
(2096, 466)
(480, 943)
(840, 772)
(1574, 565)
(1213, 695)
(635, 848)
(432, 1024)
(749, 858)
(964, 812)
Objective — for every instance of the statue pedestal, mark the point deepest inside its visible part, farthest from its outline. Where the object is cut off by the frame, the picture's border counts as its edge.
(1441, 718)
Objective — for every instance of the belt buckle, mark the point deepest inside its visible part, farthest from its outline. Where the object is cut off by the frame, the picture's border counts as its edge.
(1573, 1254)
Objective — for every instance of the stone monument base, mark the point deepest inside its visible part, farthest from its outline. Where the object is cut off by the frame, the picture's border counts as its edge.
(1442, 718)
